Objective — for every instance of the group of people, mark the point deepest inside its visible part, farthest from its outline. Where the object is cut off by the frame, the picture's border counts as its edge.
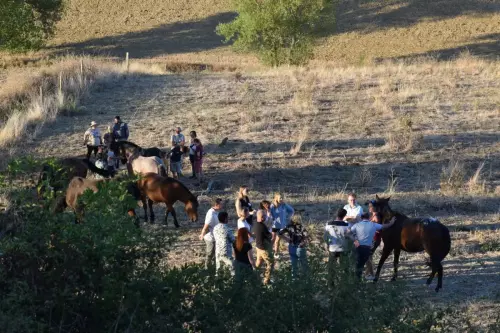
(363, 228)
(100, 145)
(195, 151)
(275, 221)
(105, 158)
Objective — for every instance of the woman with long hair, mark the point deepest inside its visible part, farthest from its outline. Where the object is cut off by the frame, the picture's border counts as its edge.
(281, 214)
(243, 222)
(242, 202)
(375, 217)
(243, 253)
(265, 206)
(192, 152)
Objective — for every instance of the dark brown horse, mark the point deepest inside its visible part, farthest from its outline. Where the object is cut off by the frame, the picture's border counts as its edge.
(413, 235)
(78, 186)
(57, 175)
(155, 188)
(121, 148)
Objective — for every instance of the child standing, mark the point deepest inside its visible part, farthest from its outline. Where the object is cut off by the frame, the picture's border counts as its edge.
(175, 161)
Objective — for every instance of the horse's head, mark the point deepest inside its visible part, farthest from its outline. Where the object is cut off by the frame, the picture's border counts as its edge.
(381, 205)
(192, 209)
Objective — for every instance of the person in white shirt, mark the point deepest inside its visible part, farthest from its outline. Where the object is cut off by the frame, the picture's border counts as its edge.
(92, 139)
(363, 233)
(354, 210)
(178, 138)
(335, 236)
(242, 222)
(211, 220)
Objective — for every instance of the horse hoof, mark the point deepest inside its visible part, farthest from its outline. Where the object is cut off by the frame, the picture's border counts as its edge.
(393, 279)
(375, 280)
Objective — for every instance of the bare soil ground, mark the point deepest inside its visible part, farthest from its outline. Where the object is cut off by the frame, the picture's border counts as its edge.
(316, 135)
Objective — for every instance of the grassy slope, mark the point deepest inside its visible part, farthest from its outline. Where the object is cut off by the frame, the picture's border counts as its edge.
(366, 31)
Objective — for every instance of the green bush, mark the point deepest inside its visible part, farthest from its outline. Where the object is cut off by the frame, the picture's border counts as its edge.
(107, 275)
(279, 31)
(25, 24)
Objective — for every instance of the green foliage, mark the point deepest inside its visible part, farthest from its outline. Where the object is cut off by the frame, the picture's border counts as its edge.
(25, 24)
(107, 275)
(280, 31)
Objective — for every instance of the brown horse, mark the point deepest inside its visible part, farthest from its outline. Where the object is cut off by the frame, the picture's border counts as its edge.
(413, 235)
(78, 186)
(57, 175)
(155, 188)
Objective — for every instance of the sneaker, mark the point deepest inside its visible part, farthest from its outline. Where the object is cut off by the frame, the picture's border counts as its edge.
(369, 277)
(192, 177)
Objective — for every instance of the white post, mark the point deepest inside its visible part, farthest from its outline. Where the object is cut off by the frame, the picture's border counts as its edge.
(60, 83)
(126, 61)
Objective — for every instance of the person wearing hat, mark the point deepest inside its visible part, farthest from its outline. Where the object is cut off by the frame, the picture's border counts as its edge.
(92, 139)
(178, 138)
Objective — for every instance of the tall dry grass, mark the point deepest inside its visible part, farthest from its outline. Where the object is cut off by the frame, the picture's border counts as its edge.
(29, 99)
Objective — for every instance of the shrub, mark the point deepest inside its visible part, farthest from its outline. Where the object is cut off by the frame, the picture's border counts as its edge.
(107, 275)
(281, 32)
(27, 23)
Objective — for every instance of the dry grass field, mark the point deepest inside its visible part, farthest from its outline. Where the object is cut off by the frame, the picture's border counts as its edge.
(426, 134)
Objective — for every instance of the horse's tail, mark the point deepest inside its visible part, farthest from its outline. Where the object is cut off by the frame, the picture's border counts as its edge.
(162, 168)
(446, 239)
(100, 172)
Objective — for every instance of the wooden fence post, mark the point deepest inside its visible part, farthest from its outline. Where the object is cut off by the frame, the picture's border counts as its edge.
(41, 94)
(81, 67)
(60, 83)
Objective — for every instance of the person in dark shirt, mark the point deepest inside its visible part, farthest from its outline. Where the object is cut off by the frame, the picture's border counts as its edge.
(243, 254)
(120, 130)
(263, 243)
(297, 238)
(175, 161)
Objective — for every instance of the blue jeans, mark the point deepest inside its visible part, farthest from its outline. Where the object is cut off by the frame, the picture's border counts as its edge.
(298, 258)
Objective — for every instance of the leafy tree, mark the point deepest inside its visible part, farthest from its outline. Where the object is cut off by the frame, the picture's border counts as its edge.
(280, 31)
(25, 24)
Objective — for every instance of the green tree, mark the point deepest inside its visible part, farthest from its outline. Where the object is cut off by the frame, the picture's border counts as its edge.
(26, 24)
(280, 31)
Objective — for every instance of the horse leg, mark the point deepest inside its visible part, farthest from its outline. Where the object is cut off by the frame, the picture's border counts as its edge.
(397, 251)
(385, 253)
(145, 206)
(433, 272)
(151, 212)
(440, 277)
(174, 215)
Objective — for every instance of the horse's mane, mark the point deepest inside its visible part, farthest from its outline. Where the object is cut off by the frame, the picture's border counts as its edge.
(175, 181)
(120, 143)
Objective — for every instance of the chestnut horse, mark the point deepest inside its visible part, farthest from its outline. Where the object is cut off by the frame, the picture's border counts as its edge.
(155, 188)
(413, 235)
(78, 186)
